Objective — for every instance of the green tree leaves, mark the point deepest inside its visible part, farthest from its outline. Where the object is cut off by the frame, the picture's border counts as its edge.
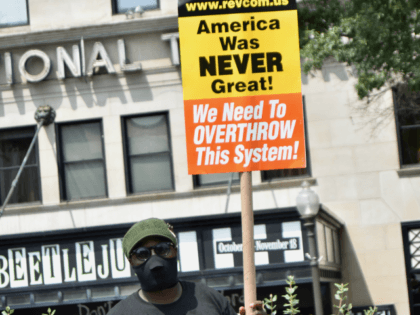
(9, 311)
(49, 312)
(381, 39)
(290, 297)
(343, 308)
(269, 304)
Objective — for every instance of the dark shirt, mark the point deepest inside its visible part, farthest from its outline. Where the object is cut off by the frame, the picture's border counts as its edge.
(196, 299)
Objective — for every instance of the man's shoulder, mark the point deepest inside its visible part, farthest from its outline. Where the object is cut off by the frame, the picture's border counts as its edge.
(124, 306)
(209, 296)
(198, 287)
(201, 290)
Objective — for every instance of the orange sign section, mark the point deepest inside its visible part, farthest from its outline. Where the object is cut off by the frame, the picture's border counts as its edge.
(242, 87)
(241, 134)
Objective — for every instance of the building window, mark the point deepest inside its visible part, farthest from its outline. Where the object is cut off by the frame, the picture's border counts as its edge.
(411, 241)
(122, 6)
(407, 116)
(215, 179)
(281, 174)
(82, 163)
(14, 144)
(13, 13)
(148, 153)
(270, 175)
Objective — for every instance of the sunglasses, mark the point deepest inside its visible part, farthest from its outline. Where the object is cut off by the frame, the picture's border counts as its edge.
(161, 249)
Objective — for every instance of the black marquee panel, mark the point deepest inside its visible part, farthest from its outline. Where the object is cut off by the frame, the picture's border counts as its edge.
(71, 267)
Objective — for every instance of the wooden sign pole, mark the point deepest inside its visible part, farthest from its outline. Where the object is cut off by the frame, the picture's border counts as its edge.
(250, 287)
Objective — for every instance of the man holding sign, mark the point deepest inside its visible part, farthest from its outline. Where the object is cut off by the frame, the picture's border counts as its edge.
(151, 248)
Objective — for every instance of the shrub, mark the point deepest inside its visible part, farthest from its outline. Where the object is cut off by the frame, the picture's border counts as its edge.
(292, 308)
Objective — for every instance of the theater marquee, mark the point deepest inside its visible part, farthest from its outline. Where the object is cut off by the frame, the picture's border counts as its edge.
(85, 257)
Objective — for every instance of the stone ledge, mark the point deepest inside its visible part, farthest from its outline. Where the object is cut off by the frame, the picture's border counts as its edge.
(88, 89)
(106, 30)
(409, 171)
(170, 195)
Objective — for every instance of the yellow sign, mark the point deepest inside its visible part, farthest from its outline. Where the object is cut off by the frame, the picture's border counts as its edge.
(240, 54)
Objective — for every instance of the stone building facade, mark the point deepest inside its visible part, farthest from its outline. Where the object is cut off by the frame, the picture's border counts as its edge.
(115, 84)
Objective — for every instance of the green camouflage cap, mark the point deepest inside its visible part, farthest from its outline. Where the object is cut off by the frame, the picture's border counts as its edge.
(145, 228)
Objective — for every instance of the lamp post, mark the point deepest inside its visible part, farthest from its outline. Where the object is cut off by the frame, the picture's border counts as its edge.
(307, 203)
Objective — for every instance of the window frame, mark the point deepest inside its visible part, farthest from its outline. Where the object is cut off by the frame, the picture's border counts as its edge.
(398, 128)
(127, 169)
(406, 227)
(115, 11)
(389, 309)
(197, 184)
(37, 158)
(308, 155)
(61, 163)
(23, 24)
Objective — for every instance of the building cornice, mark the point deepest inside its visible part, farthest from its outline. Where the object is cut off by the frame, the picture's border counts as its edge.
(71, 34)
(37, 207)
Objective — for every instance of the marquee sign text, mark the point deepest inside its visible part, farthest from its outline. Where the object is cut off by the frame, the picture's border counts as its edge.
(76, 63)
(55, 264)
(229, 247)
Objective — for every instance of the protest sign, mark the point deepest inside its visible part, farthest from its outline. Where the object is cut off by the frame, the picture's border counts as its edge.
(242, 86)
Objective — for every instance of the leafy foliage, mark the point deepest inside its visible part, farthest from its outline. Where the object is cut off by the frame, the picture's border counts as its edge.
(371, 311)
(343, 308)
(269, 304)
(292, 309)
(290, 297)
(49, 312)
(8, 311)
(380, 38)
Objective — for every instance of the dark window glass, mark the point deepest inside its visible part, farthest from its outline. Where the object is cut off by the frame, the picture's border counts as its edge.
(13, 147)
(13, 13)
(415, 288)
(148, 154)
(408, 124)
(278, 174)
(216, 179)
(83, 165)
(410, 144)
(122, 6)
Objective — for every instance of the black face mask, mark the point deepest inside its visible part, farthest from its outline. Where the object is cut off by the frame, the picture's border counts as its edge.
(157, 273)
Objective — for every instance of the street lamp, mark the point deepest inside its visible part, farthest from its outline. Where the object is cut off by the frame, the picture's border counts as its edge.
(307, 203)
